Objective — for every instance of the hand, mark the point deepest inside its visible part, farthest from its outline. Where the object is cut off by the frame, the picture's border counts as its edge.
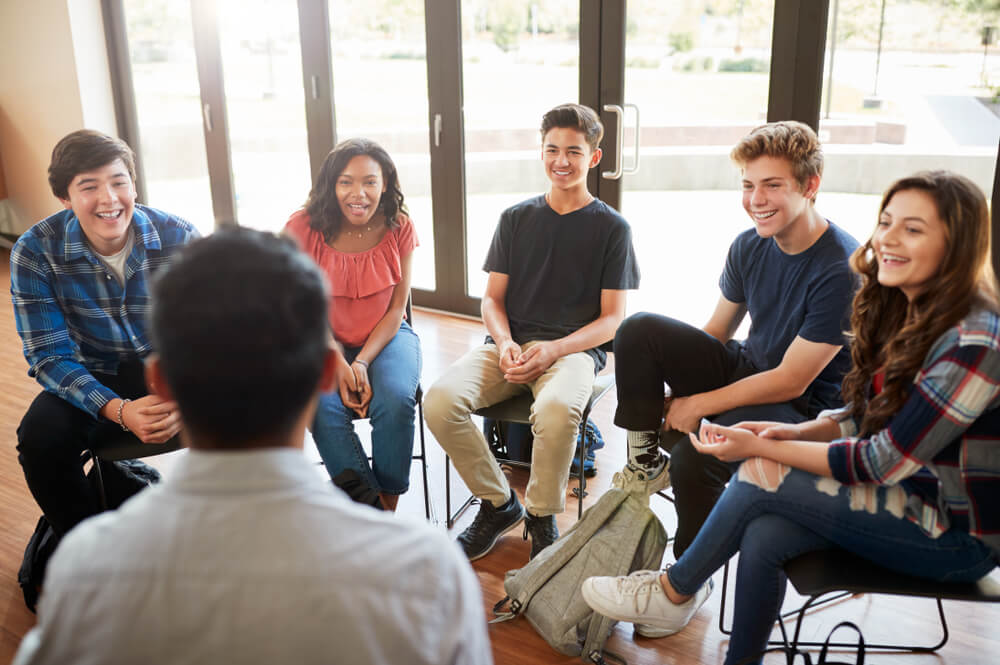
(773, 430)
(364, 385)
(347, 386)
(729, 444)
(683, 414)
(510, 351)
(532, 363)
(151, 418)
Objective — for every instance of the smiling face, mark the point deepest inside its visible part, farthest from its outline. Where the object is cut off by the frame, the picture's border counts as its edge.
(774, 199)
(103, 200)
(567, 158)
(910, 242)
(359, 189)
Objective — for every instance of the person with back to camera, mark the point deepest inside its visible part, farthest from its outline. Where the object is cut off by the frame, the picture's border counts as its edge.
(243, 554)
(356, 228)
(907, 475)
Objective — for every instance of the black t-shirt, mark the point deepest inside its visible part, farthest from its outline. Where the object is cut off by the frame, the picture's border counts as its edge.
(557, 266)
(805, 295)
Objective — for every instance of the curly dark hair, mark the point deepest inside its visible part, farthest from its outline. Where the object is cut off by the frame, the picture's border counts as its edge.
(322, 205)
(893, 334)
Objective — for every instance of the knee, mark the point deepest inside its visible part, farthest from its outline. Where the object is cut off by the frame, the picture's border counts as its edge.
(40, 437)
(554, 416)
(441, 405)
(632, 330)
(764, 473)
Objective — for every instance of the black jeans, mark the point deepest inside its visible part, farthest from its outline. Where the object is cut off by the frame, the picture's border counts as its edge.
(52, 436)
(651, 350)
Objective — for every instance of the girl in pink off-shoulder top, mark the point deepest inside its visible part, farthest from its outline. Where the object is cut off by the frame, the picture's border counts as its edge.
(355, 227)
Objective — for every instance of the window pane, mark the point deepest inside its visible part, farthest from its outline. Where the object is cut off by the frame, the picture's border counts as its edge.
(519, 59)
(922, 99)
(168, 103)
(262, 65)
(698, 71)
(380, 92)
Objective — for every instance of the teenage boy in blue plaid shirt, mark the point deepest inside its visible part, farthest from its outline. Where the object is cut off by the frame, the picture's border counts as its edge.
(79, 284)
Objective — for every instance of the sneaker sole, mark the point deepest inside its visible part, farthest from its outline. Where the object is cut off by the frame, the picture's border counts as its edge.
(497, 537)
(652, 632)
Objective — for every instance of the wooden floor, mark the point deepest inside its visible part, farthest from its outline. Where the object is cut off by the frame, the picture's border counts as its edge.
(974, 634)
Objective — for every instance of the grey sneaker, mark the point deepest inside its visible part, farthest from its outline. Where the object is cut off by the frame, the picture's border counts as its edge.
(629, 477)
(639, 598)
(543, 532)
(491, 523)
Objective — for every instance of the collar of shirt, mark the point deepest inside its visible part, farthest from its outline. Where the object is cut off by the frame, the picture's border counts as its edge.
(75, 243)
(244, 471)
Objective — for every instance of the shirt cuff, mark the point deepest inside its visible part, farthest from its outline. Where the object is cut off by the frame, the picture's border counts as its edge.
(842, 416)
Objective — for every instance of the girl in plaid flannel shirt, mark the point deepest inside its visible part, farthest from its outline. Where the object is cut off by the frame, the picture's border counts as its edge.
(910, 466)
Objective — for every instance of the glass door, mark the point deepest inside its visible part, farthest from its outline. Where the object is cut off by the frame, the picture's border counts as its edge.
(697, 73)
(519, 59)
(378, 49)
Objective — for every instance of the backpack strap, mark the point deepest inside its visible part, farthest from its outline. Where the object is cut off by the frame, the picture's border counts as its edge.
(600, 625)
(528, 580)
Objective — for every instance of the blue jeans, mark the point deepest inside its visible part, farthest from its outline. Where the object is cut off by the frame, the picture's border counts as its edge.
(771, 526)
(394, 375)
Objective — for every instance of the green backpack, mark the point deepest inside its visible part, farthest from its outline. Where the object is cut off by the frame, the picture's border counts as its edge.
(615, 536)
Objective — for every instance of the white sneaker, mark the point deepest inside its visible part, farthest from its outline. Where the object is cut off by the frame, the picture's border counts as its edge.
(640, 599)
(630, 477)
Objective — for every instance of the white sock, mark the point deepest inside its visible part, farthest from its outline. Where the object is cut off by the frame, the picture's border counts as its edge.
(644, 452)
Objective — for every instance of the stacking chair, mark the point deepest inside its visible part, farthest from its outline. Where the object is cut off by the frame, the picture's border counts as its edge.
(836, 571)
(122, 447)
(517, 410)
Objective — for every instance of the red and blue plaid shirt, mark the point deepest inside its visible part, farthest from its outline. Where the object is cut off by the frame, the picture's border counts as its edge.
(943, 446)
(73, 316)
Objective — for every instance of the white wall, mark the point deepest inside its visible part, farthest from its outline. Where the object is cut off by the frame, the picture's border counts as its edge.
(54, 79)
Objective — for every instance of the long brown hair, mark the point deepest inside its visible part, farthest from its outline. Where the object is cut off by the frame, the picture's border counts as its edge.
(893, 334)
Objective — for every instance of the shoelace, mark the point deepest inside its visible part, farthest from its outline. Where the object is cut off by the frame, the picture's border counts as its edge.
(478, 526)
(640, 585)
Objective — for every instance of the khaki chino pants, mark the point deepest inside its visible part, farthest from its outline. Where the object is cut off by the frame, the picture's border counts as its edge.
(476, 381)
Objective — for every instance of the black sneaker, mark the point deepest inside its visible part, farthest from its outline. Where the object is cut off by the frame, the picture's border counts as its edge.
(491, 523)
(543, 532)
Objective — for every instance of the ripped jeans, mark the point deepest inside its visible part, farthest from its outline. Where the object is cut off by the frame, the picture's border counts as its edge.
(771, 513)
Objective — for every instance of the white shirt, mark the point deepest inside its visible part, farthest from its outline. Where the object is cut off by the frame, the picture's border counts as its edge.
(251, 557)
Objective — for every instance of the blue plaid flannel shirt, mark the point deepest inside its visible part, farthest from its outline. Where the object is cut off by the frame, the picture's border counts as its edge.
(943, 446)
(73, 316)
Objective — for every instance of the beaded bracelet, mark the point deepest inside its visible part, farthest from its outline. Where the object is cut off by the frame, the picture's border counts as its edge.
(121, 407)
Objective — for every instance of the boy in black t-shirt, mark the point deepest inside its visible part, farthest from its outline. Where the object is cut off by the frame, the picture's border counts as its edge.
(791, 274)
(558, 266)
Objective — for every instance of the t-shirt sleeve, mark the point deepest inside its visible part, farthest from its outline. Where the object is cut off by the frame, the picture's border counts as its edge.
(406, 236)
(731, 280)
(621, 270)
(828, 308)
(498, 256)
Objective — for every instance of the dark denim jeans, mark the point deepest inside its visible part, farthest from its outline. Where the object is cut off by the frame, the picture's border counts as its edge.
(801, 513)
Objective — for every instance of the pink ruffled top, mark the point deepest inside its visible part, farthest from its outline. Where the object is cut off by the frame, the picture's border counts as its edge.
(361, 283)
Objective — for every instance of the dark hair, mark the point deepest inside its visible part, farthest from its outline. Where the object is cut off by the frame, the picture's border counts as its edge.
(85, 150)
(322, 206)
(239, 320)
(575, 116)
(893, 334)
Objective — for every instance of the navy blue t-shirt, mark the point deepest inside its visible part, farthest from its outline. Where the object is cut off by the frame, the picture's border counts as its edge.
(557, 265)
(805, 295)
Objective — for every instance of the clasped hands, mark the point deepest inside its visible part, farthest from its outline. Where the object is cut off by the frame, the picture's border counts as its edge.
(354, 387)
(525, 366)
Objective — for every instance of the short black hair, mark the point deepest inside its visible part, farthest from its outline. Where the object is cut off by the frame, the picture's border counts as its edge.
(239, 320)
(575, 116)
(85, 150)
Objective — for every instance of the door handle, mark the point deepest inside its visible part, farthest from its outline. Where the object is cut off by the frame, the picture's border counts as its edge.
(635, 165)
(616, 174)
